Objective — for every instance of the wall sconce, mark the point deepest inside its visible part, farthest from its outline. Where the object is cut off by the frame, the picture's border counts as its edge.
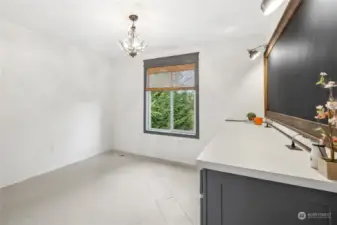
(269, 6)
(256, 52)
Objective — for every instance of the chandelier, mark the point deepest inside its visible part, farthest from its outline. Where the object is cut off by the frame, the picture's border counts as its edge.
(131, 44)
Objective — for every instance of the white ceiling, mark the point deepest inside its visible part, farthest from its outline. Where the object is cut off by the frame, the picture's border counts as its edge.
(99, 24)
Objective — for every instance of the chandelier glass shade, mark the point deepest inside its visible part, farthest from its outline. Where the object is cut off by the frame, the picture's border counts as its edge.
(132, 44)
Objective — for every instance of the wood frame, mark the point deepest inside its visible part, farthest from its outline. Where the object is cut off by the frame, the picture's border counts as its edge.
(176, 68)
(304, 127)
(171, 89)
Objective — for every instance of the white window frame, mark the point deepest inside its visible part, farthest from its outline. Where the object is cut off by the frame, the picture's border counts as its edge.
(171, 130)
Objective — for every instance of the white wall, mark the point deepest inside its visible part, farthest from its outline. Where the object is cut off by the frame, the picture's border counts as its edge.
(249, 94)
(53, 97)
(61, 103)
(227, 89)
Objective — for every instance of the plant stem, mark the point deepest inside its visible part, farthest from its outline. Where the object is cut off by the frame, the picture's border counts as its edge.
(332, 151)
(332, 113)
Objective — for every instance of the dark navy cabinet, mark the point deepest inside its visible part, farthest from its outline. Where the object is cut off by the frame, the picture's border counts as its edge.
(228, 199)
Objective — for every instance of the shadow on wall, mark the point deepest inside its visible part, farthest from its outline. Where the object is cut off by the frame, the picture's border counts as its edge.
(84, 129)
(58, 138)
(249, 96)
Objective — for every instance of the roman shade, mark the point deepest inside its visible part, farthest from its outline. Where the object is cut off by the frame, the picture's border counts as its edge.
(168, 78)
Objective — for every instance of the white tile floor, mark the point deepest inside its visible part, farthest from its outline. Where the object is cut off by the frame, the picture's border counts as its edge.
(106, 190)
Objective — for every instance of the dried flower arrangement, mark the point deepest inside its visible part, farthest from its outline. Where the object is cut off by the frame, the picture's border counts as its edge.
(328, 112)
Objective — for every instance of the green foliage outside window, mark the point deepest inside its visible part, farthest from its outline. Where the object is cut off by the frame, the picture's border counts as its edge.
(183, 105)
(184, 110)
(160, 109)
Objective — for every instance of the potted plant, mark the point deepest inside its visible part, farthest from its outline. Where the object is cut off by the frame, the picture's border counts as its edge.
(327, 165)
(251, 116)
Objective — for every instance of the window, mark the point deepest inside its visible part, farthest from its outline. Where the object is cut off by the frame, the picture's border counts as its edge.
(171, 96)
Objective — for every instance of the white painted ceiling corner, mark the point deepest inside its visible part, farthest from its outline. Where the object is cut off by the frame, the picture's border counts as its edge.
(99, 24)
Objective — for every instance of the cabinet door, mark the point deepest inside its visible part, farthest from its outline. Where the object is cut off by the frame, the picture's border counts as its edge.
(203, 187)
(237, 200)
(211, 198)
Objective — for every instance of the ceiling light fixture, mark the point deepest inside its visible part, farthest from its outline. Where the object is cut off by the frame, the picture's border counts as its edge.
(256, 52)
(269, 6)
(131, 44)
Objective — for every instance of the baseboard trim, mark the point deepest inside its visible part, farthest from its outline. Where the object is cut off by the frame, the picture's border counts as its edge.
(130, 154)
(50, 170)
(156, 159)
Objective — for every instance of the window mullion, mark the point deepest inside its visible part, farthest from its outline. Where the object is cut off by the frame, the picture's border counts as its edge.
(195, 112)
(172, 110)
(149, 104)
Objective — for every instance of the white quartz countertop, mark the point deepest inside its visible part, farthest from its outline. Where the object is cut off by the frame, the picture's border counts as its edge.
(258, 152)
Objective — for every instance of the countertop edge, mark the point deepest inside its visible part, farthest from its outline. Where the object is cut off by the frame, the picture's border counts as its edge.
(270, 176)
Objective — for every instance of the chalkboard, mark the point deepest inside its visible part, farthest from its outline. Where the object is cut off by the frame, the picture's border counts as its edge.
(307, 46)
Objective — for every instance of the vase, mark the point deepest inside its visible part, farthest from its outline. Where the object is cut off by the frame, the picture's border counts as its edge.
(328, 168)
(315, 154)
